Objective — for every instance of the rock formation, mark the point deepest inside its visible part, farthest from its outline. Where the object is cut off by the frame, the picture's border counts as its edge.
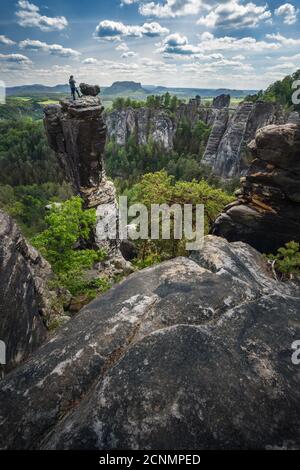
(77, 133)
(89, 90)
(267, 212)
(27, 305)
(225, 153)
(232, 129)
(222, 101)
(157, 125)
(143, 124)
(159, 362)
(218, 130)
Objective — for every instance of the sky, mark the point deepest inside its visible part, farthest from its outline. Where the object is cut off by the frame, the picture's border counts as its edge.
(236, 44)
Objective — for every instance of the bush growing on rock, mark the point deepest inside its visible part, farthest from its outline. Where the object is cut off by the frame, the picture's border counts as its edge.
(287, 260)
(68, 225)
(160, 188)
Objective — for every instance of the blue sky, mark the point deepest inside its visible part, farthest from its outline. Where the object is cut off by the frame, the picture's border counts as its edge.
(201, 43)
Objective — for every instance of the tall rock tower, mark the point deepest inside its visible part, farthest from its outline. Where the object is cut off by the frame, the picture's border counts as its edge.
(77, 133)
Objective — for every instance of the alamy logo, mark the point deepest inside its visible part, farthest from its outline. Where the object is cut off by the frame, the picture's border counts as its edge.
(2, 353)
(296, 94)
(160, 222)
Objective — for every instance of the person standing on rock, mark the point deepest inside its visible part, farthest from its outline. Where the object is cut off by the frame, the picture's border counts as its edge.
(74, 90)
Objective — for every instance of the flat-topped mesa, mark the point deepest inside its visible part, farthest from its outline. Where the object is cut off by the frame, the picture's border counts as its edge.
(267, 212)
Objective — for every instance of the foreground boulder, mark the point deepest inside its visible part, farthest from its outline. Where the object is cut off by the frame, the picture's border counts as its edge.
(267, 212)
(191, 354)
(26, 304)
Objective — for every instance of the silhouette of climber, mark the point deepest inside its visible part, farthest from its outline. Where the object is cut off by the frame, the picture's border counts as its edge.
(74, 90)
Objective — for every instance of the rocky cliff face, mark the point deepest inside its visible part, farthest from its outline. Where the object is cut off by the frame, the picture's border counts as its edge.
(27, 305)
(225, 152)
(77, 133)
(145, 124)
(142, 124)
(267, 212)
(232, 129)
(160, 362)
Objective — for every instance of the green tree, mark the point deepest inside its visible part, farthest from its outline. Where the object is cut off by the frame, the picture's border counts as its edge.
(67, 225)
(160, 188)
(25, 157)
(287, 260)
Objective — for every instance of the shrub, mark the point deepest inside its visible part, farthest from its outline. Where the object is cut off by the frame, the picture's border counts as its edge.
(68, 224)
(287, 260)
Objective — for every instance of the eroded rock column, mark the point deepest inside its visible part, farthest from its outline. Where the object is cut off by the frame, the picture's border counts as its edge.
(77, 133)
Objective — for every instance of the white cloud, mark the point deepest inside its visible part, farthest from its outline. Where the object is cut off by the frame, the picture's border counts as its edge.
(289, 13)
(129, 55)
(6, 41)
(223, 65)
(211, 43)
(284, 67)
(171, 8)
(90, 61)
(29, 16)
(113, 30)
(53, 49)
(234, 15)
(284, 41)
(295, 57)
(239, 57)
(122, 47)
(17, 59)
(179, 44)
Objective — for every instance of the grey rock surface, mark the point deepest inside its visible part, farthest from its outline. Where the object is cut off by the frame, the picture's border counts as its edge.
(144, 124)
(191, 354)
(226, 152)
(232, 129)
(89, 90)
(77, 133)
(267, 212)
(27, 305)
(153, 124)
(222, 101)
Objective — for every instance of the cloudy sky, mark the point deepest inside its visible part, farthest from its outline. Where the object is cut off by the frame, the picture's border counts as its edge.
(203, 43)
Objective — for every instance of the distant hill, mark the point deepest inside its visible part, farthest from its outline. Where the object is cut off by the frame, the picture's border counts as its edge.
(124, 88)
(203, 92)
(29, 90)
(128, 89)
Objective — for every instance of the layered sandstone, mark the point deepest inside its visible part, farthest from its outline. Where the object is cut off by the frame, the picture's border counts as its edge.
(267, 212)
